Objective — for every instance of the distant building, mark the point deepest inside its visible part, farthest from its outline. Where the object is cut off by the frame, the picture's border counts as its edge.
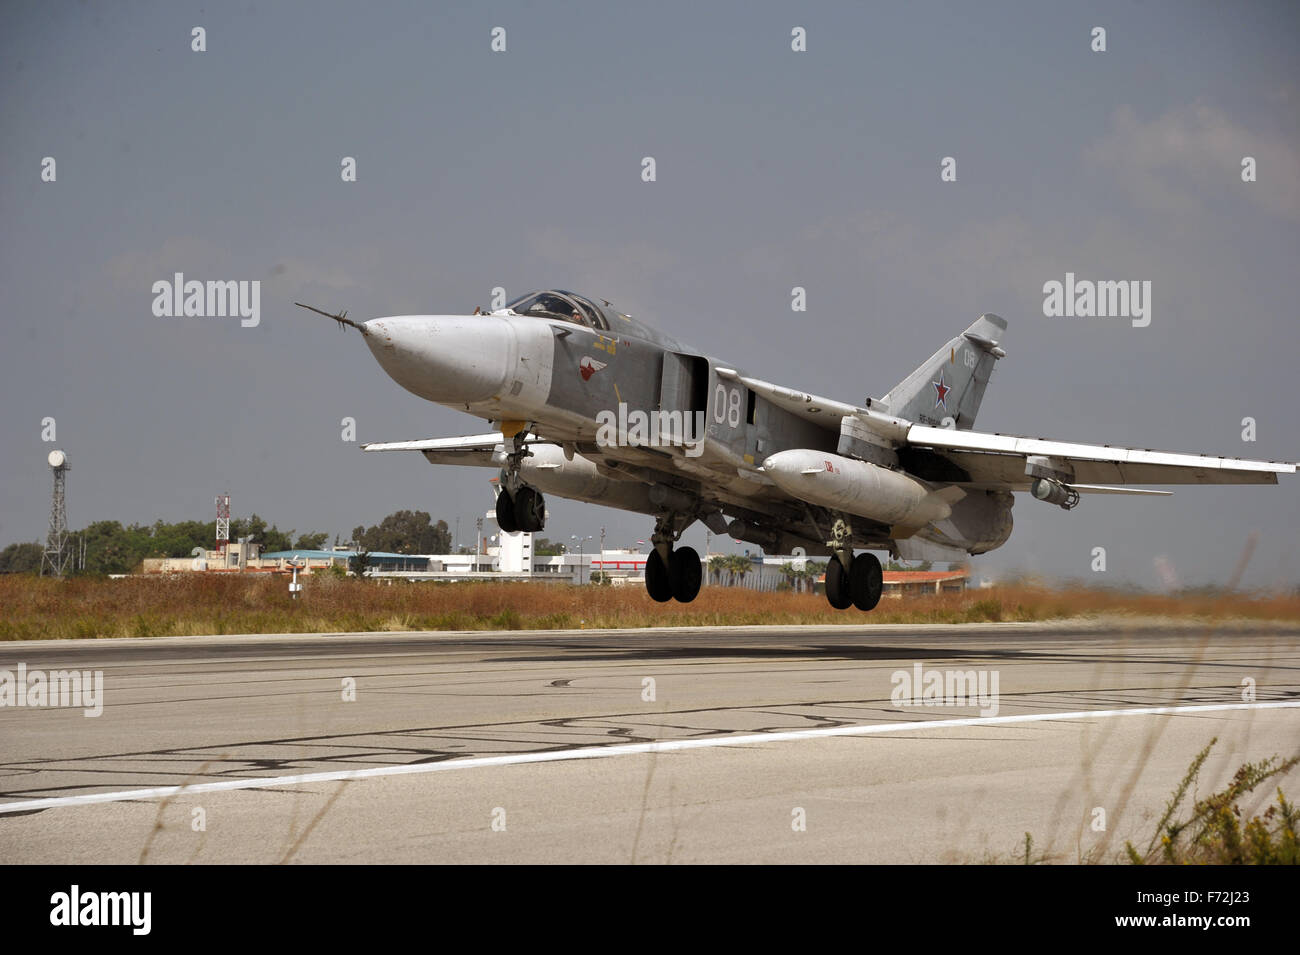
(915, 583)
(510, 557)
(237, 556)
(503, 556)
(918, 583)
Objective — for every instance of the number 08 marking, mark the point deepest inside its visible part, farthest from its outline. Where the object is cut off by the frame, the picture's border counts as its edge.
(726, 405)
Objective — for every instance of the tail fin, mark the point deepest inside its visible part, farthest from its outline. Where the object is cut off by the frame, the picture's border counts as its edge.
(950, 385)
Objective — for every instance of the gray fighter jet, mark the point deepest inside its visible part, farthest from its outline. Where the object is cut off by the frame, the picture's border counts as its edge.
(591, 404)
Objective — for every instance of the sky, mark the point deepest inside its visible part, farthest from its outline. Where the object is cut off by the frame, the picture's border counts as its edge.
(521, 169)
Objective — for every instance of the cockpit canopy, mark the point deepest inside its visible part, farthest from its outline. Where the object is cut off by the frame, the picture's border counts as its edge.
(564, 306)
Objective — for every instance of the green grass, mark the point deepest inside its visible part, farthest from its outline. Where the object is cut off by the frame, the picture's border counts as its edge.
(1214, 832)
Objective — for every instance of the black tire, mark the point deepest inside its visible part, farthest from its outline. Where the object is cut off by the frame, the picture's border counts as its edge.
(506, 512)
(866, 582)
(685, 573)
(837, 585)
(530, 510)
(657, 581)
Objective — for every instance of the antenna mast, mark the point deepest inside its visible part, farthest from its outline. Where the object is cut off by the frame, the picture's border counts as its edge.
(57, 554)
(223, 522)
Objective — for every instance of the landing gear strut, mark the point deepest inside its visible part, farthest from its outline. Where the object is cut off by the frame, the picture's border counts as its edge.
(672, 573)
(856, 581)
(519, 507)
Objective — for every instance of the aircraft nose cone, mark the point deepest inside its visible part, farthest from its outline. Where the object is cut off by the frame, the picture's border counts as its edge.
(453, 359)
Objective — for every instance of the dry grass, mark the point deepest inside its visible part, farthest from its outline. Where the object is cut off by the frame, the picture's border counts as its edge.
(182, 605)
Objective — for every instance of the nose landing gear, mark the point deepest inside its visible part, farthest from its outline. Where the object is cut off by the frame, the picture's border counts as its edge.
(519, 507)
(530, 509)
(525, 510)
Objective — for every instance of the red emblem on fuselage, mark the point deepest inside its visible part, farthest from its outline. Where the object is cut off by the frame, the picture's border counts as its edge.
(588, 366)
(940, 392)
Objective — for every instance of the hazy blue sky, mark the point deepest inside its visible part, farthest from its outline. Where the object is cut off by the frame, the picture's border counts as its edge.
(522, 169)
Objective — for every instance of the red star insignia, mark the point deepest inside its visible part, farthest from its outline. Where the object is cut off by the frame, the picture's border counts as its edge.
(941, 392)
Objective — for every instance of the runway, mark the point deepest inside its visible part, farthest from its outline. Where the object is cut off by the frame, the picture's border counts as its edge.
(718, 745)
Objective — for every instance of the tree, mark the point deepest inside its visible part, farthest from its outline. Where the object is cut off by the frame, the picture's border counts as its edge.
(253, 527)
(311, 541)
(717, 567)
(180, 539)
(273, 539)
(269, 538)
(359, 563)
(740, 566)
(114, 549)
(811, 571)
(111, 548)
(544, 547)
(405, 532)
(21, 559)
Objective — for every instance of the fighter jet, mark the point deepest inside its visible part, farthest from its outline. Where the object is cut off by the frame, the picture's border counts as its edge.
(588, 403)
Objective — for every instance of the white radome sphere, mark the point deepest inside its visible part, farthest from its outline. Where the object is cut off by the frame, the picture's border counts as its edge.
(57, 458)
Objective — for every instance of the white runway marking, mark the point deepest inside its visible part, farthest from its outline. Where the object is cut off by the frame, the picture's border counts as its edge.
(619, 749)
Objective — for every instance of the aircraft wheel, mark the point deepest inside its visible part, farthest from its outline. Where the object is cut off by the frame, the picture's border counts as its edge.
(506, 512)
(530, 510)
(866, 581)
(658, 583)
(685, 573)
(837, 585)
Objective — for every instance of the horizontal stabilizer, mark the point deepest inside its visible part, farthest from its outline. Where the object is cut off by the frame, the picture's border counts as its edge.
(999, 461)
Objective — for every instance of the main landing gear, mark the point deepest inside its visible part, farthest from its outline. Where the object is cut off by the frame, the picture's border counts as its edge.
(860, 586)
(856, 581)
(519, 507)
(672, 573)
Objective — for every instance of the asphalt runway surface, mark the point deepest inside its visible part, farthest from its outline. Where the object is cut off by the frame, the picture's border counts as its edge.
(715, 745)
